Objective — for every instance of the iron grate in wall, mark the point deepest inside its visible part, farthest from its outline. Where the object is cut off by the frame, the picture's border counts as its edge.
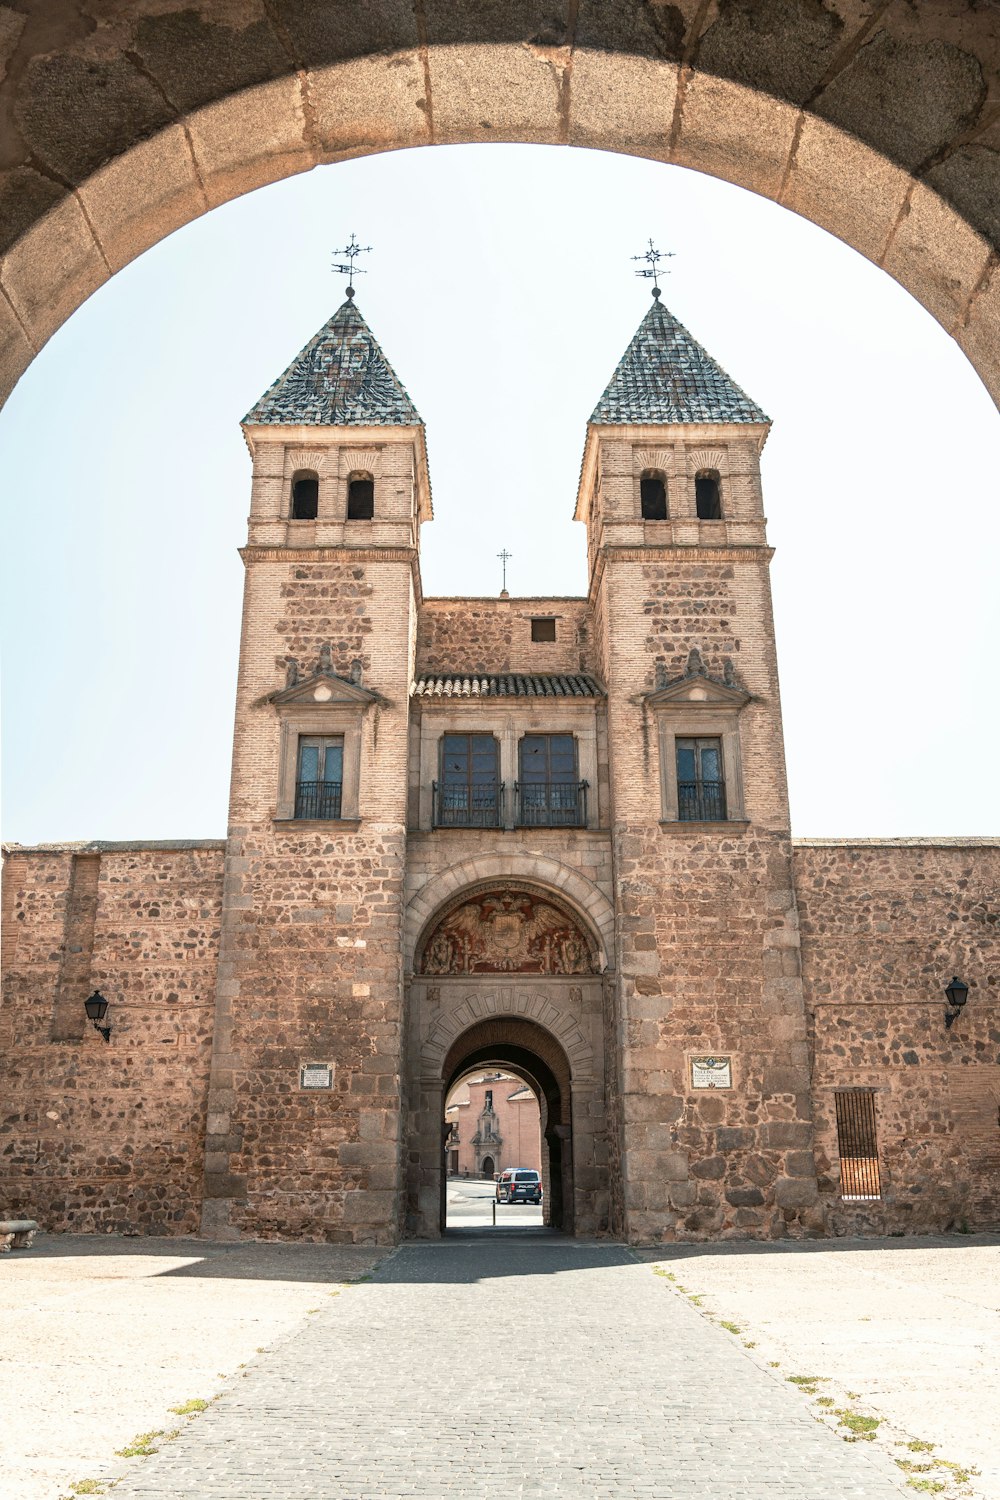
(857, 1145)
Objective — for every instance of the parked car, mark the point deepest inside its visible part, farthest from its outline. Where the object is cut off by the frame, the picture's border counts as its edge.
(519, 1185)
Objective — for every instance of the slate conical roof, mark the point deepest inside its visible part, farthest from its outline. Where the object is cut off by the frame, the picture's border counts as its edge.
(666, 376)
(340, 379)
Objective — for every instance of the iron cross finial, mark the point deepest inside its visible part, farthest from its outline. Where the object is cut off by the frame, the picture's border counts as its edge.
(652, 271)
(505, 557)
(351, 251)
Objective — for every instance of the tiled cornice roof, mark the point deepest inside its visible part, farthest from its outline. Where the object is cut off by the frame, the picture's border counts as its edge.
(508, 685)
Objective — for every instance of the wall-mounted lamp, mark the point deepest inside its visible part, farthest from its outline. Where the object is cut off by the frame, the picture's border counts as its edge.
(97, 1008)
(956, 995)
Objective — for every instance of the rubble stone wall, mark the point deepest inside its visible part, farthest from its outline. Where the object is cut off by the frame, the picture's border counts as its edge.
(494, 635)
(885, 924)
(103, 1137)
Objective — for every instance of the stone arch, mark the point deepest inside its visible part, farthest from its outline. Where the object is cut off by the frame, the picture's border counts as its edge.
(509, 1034)
(496, 1013)
(893, 169)
(548, 875)
(537, 1055)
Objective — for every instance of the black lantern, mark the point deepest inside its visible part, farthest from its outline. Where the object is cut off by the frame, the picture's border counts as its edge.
(97, 1008)
(956, 995)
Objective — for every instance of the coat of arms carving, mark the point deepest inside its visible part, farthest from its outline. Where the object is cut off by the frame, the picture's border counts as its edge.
(508, 931)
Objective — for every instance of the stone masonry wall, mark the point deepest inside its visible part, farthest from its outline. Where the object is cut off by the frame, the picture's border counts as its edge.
(95, 1136)
(494, 635)
(885, 925)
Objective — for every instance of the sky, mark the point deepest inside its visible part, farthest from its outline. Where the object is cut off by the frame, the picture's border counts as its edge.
(501, 287)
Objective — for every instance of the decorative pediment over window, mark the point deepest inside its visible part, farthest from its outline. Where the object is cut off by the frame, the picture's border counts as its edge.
(698, 716)
(325, 687)
(322, 713)
(701, 691)
(698, 688)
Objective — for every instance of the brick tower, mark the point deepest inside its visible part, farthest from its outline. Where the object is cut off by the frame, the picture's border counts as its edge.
(710, 1052)
(304, 1100)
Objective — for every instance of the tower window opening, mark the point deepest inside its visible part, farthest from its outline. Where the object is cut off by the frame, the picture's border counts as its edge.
(653, 495)
(305, 496)
(360, 497)
(707, 495)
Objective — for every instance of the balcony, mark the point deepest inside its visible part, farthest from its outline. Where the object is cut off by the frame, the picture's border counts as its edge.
(318, 799)
(468, 806)
(701, 801)
(551, 804)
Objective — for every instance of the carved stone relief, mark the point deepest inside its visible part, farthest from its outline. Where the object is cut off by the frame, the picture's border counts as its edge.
(507, 930)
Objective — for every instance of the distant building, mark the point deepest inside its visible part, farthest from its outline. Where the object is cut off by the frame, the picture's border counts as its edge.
(495, 1123)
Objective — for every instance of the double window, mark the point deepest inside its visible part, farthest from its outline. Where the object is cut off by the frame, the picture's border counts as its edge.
(319, 779)
(470, 794)
(701, 787)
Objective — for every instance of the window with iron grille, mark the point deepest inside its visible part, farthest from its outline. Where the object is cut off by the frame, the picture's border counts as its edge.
(468, 792)
(549, 792)
(319, 781)
(701, 789)
(857, 1145)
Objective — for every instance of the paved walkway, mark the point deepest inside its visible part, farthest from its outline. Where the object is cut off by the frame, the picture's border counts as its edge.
(521, 1366)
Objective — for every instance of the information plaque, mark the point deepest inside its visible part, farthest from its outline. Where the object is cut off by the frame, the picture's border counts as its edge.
(711, 1072)
(316, 1076)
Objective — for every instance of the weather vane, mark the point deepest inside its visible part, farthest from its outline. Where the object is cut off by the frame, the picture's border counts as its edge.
(352, 251)
(505, 557)
(652, 272)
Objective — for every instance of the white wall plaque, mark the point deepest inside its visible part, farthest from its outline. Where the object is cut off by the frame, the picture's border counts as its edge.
(711, 1072)
(316, 1076)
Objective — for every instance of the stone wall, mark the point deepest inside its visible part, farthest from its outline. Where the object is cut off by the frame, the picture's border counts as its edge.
(494, 635)
(885, 924)
(103, 1137)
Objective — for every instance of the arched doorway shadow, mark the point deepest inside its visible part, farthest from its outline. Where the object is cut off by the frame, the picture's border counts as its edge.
(531, 1052)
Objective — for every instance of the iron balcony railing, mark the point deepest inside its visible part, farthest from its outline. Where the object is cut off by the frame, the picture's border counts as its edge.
(551, 804)
(318, 799)
(701, 801)
(478, 805)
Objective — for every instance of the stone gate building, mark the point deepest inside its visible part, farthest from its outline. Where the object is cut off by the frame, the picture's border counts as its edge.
(548, 835)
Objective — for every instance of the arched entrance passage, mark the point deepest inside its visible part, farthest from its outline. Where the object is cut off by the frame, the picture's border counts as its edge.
(489, 1167)
(535, 1054)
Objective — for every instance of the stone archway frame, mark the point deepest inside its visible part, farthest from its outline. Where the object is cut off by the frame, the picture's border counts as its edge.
(504, 1014)
(503, 91)
(548, 876)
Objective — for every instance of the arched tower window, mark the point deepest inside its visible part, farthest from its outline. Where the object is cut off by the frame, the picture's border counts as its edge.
(707, 495)
(653, 495)
(360, 497)
(305, 495)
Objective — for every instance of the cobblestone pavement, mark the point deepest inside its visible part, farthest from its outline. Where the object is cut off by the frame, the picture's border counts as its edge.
(519, 1366)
